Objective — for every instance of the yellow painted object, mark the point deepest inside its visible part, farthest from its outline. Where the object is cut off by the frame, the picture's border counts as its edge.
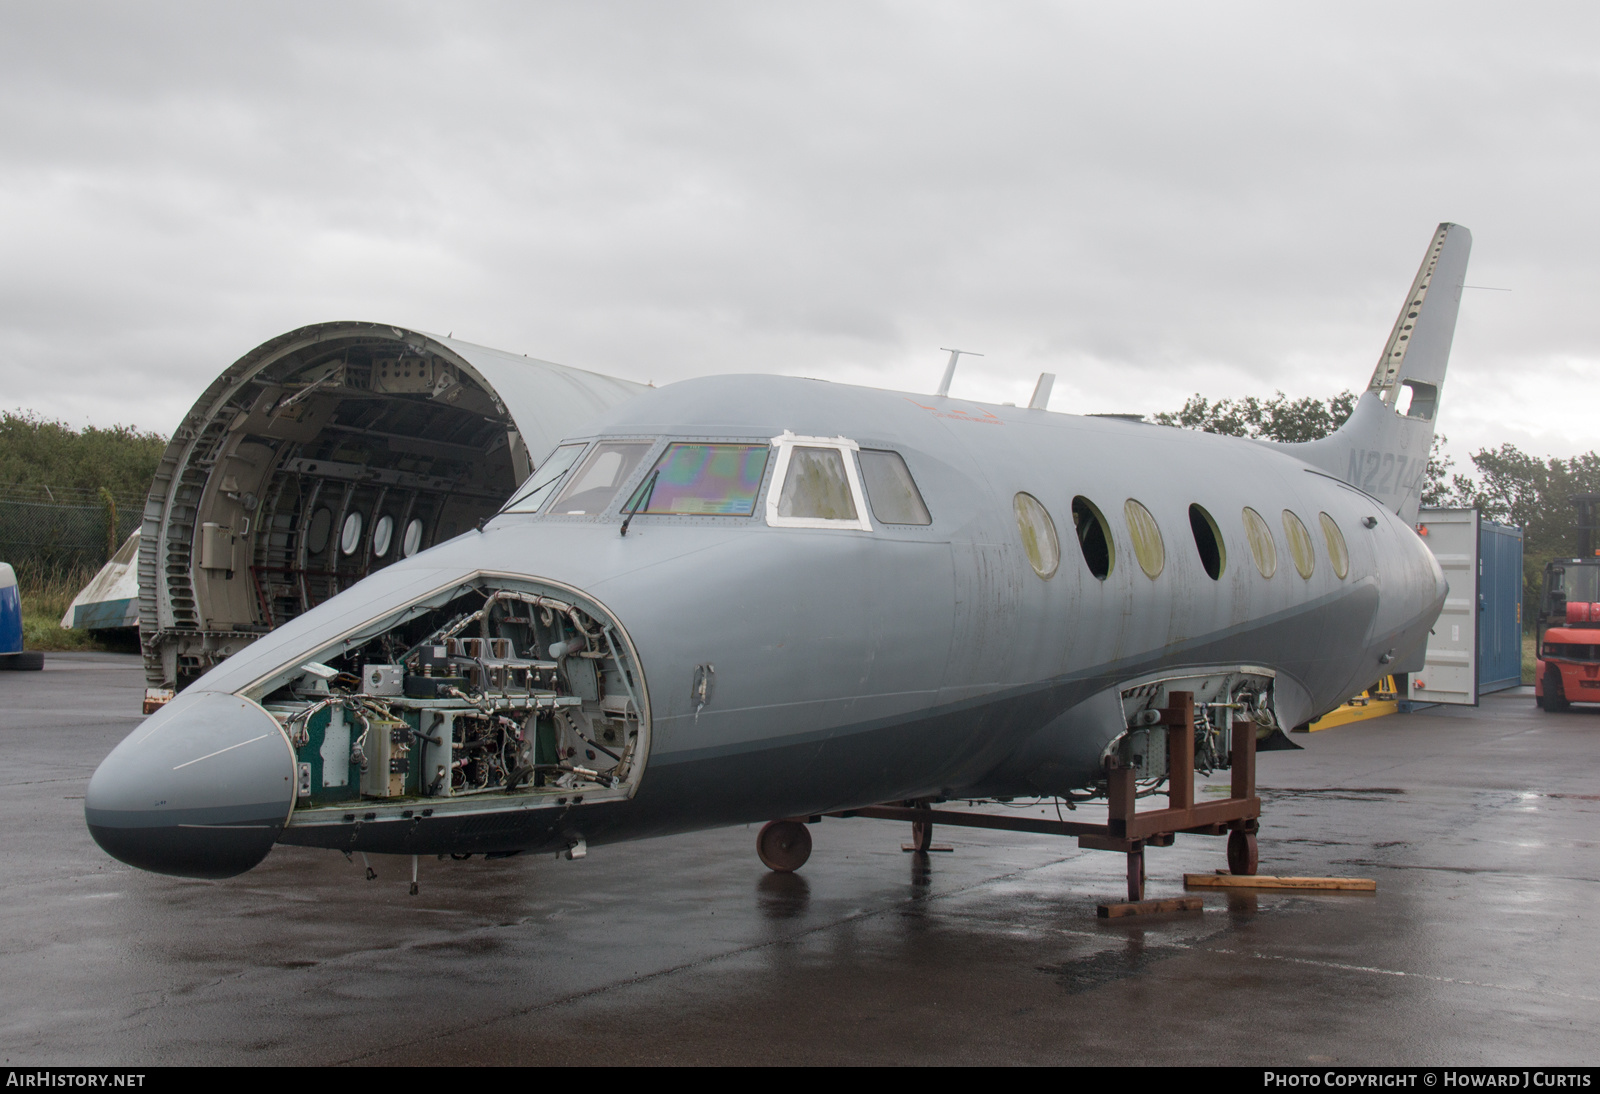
(1372, 703)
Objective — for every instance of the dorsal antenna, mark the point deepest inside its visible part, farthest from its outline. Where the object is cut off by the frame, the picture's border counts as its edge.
(950, 369)
(1041, 392)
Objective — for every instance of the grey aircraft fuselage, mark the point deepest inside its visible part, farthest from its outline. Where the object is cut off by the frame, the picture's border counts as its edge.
(782, 671)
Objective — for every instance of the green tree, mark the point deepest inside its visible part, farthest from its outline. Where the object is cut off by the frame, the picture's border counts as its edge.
(1534, 494)
(1279, 418)
(38, 452)
(1510, 486)
(1438, 488)
(1291, 421)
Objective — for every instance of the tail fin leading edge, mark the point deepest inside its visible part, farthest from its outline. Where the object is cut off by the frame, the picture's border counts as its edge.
(1383, 449)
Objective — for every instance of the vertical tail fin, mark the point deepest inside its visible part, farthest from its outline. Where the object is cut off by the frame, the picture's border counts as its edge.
(1383, 449)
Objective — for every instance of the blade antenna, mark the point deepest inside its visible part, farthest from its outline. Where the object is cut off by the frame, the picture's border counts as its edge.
(1041, 392)
(950, 369)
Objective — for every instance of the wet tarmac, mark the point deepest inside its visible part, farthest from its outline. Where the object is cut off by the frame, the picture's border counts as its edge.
(1480, 946)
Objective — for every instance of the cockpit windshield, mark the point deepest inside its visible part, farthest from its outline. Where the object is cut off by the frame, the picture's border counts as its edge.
(703, 480)
(598, 477)
(542, 482)
(817, 483)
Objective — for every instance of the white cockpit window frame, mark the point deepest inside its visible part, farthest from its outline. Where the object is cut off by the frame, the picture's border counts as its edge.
(785, 444)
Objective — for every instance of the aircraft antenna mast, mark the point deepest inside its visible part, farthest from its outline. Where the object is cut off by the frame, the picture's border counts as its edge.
(950, 369)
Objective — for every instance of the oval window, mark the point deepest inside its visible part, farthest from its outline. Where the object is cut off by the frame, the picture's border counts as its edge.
(411, 542)
(1338, 554)
(382, 535)
(317, 533)
(1261, 545)
(1094, 536)
(1147, 545)
(1208, 541)
(1300, 548)
(350, 534)
(1038, 534)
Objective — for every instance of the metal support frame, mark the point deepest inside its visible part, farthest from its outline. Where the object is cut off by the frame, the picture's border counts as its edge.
(1127, 829)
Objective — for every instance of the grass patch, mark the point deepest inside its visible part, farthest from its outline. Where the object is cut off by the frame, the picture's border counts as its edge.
(46, 595)
(1528, 659)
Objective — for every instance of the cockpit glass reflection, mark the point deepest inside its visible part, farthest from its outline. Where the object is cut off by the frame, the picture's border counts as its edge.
(706, 480)
(598, 477)
(543, 482)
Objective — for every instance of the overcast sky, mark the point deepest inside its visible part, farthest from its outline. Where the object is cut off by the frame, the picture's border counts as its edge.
(1147, 199)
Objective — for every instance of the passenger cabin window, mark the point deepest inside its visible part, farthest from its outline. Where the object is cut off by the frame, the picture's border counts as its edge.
(542, 483)
(1146, 535)
(1094, 537)
(891, 492)
(598, 477)
(1300, 548)
(1038, 532)
(1208, 541)
(317, 532)
(382, 535)
(411, 543)
(815, 484)
(350, 535)
(1262, 548)
(1338, 554)
(718, 480)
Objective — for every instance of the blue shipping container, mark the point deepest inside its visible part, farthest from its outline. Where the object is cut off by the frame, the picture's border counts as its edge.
(1499, 606)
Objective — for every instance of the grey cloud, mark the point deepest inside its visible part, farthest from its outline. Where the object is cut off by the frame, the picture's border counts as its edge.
(1150, 199)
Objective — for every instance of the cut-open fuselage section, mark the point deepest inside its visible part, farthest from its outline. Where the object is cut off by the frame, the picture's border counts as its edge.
(323, 456)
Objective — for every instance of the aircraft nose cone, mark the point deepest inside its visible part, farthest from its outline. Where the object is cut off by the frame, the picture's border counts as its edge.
(201, 789)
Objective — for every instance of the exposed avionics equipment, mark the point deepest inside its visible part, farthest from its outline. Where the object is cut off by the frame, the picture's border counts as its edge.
(323, 455)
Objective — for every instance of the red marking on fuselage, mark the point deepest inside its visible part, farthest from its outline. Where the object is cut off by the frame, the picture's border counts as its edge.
(958, 415)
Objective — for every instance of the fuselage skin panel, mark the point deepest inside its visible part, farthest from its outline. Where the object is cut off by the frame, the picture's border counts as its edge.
(859, 666)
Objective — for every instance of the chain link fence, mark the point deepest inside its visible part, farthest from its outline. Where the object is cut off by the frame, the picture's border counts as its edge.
(45, 531)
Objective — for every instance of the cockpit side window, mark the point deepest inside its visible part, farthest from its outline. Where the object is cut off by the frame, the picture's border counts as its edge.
(815, 484)
(891, 491)
(542, 483)
(720, 480)
(598, 477)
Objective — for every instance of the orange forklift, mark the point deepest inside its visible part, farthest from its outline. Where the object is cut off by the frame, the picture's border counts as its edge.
(1567, 629)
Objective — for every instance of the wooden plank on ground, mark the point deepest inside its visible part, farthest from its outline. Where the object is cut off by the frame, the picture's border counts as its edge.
(1264, 881)
(1151, 907)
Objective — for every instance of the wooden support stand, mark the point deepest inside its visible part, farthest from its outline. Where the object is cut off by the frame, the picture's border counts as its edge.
(1130, 830)
(1127, 830)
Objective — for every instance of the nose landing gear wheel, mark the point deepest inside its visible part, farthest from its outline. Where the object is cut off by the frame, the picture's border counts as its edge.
(1242, 853)
(784, 845)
